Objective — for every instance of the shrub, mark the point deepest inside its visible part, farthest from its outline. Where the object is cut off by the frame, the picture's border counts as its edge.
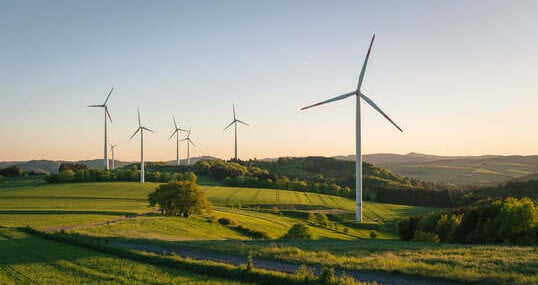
(255, 234)
(421, 236)
(407, 228)
(373, 234)
(226, 221)
(327, 276)
(299, 231)
(305, 273)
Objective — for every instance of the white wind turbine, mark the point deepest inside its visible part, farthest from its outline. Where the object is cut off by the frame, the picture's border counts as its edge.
(176, 131)
(358, 157)
(107, 114)
(189, 142)
(141, 130)
(112, 146)
(234, 122)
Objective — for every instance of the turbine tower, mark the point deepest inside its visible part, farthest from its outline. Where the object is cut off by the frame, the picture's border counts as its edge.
(112, 146)
(189, 142)
(358, 157)
(107, 114)
(176, 132)
(141, 130)
(234, 122)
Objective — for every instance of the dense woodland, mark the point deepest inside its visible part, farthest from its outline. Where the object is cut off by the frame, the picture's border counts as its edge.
(512, 220)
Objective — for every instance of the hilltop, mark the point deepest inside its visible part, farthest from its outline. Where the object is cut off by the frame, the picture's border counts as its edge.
(458, 170)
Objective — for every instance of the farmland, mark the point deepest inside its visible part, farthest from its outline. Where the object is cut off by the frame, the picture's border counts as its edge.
(105, 213)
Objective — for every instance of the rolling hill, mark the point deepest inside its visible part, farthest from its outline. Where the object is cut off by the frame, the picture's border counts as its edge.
(459, 170)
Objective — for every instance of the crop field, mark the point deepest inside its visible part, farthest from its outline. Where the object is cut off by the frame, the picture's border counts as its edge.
(26, 259)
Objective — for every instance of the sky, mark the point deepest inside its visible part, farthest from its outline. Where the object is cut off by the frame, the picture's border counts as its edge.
(460, 77)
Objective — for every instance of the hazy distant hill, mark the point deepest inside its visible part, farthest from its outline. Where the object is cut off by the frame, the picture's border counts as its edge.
(475, 170)
(51, 166)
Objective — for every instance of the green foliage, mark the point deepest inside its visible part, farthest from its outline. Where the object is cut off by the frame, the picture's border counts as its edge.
(327, 276)
(12, 171)
(299, 231)
(421, 236)
(226, 221)
(80, 173)
(179, 198)
(512, 221)
(250, 262)
(305, 273)
(373, 234)
(517, 221)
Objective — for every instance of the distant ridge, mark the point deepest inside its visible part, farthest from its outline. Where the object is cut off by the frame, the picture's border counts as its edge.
(51, 166)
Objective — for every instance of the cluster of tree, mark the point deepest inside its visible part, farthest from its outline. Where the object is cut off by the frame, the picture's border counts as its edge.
(12, 171)
(512, 220)
(69, 172)
(179, 198)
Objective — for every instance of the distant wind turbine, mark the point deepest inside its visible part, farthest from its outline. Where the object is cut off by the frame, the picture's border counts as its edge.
(358, 157)
(112, 146)
(234, 122)
(141, 130)
(189, 142)
(107, 114)
(176, 132)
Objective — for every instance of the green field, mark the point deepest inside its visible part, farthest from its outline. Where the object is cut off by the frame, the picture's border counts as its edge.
(344, 245)
(26, 259)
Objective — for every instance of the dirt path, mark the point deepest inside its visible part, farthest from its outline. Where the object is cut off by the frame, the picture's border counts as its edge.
(365, 276)
(63, 228)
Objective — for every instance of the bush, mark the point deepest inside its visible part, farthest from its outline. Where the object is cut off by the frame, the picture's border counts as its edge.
(226, 221)
(255, 234)
(305, 273)
(373, 234)
(327, 276)
(407, 228)
(421, 236)
(299, 231)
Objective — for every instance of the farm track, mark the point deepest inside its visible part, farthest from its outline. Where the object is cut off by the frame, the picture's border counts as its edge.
(107, 222)
(281, 266)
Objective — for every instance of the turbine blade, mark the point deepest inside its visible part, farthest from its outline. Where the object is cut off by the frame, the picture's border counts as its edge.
(374, 105)
(361, 76)
(108, 114)
(139, 122)
(96, 106)
(242, 122)
(331, 100)
(137, 130)
(233, 106)
(190, 141)
(108, 97)
(172, 135)
(227, 125)
(175, 124)
(147, 129)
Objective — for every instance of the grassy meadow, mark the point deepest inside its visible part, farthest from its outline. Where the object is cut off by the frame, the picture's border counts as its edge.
(27, 259)
(343, 245)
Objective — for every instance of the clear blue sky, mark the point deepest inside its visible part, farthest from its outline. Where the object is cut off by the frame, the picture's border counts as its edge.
(461, 77)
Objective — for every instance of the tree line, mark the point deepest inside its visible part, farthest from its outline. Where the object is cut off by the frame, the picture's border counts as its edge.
(511, 220)
(69, 173)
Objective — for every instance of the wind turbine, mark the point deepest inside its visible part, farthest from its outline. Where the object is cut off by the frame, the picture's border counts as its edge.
(189, 142)
(141, 130)
(107, 114)
(234, 122)
(358, 157)
(176, 132)
(112, 146)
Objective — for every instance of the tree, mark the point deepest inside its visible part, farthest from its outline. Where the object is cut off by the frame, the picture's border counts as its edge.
(517, 221)
(179, 198)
